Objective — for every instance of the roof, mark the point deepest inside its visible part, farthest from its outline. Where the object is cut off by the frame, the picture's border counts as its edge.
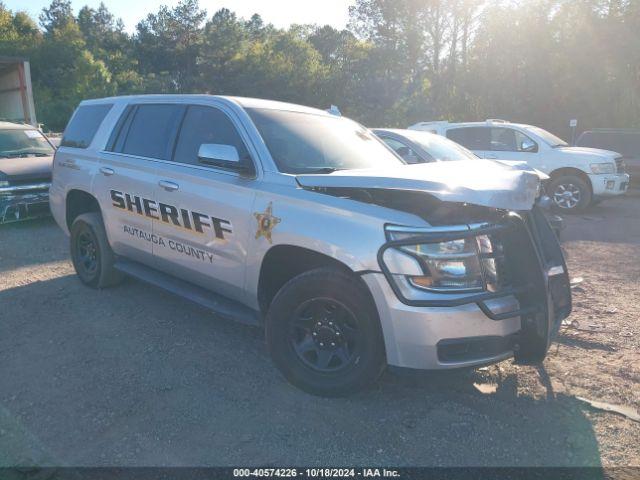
(489, 121)
(15, 126)
(243, 102)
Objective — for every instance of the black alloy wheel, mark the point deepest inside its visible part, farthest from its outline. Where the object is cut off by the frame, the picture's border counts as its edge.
(87, 252)
(324, 335)
(91, 253)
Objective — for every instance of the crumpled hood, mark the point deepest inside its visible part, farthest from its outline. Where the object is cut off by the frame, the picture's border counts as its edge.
(586, 151)
(479, 182)
(26, 167)
(522, 165)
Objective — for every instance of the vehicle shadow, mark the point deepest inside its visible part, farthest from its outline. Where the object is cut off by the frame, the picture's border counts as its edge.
(131, 376)
(31, 242)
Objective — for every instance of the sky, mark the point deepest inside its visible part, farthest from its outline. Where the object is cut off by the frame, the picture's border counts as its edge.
(281, 13)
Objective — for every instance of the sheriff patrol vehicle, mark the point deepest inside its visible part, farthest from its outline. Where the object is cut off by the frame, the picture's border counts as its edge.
(309, 225)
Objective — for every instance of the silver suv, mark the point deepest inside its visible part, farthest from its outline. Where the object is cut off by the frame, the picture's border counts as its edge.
(307, 224)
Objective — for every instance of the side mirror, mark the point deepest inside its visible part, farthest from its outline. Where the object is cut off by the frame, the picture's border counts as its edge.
(218, 154)
(528, 146)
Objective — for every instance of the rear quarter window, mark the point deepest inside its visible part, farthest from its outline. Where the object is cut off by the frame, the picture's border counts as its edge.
(83, 125)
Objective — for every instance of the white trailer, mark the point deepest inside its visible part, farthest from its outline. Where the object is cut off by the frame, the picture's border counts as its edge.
(16, 95)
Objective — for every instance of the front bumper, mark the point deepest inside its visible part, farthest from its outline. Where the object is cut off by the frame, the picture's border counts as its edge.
(21, 202)
(609, 185)
(412, 334)
(478, 329)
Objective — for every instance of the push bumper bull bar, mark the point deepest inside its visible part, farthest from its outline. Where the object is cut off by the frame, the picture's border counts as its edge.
(479, 298)
(538, 279)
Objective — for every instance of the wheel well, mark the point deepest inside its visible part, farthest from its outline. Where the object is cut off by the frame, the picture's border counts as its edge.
(283, 262)
(79, 202)
(572, 171)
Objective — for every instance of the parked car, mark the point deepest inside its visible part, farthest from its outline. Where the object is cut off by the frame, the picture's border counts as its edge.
(26, 158)
(579, 176)
(305, 223)
(415, 146)
(621, 140)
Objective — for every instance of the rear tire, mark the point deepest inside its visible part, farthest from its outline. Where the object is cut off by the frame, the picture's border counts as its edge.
(324, 334)
(569, 194)
(91, 254)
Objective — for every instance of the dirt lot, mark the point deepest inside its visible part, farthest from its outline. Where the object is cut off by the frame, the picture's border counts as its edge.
(132, 376)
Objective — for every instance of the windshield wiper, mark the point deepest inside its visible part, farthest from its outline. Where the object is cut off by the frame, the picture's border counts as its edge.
(324, 170)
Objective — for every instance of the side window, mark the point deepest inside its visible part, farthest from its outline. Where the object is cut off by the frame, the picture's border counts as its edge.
(151, 131)
(510, 140)
(405, 152)
(207, 125)
(116, 139)
(83, 125)
(473, 138)
(503, 140)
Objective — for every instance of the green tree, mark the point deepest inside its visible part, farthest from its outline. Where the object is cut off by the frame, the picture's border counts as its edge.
(168, 43)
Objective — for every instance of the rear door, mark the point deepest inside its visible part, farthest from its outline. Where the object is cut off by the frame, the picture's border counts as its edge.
(476, 139)
(205, 209)
(128, 176)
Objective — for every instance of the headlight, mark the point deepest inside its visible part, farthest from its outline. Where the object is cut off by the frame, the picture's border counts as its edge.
(461, 265)
(600, 168)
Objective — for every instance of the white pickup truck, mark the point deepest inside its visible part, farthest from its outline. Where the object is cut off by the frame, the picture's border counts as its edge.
(580, 177)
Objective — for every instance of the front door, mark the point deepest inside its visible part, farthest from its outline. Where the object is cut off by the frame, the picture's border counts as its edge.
(205, 211)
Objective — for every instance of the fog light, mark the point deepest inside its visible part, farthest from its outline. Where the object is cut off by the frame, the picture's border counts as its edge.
(610, 184)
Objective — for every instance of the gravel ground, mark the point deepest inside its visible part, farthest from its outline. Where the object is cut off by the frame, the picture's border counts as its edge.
(133, 376)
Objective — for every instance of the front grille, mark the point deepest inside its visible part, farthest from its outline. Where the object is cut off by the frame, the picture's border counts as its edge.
(494, 264)
(620, 167)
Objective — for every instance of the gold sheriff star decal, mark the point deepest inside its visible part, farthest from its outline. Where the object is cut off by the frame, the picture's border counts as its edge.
(266, 223)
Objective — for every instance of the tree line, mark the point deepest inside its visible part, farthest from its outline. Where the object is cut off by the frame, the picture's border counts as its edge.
(397, 62)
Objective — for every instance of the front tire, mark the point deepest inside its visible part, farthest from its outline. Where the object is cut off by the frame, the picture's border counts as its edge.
(324, 335)
(570, 194)
(91, 254)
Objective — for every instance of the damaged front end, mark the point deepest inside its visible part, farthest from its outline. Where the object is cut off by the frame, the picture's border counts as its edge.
(22, 201)
(487, 243)
(509, 267)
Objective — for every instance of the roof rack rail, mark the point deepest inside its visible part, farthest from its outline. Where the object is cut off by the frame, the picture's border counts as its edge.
(497, 120)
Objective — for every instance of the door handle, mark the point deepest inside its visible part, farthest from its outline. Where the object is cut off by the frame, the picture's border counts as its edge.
(107, 171)
(168, 186)
(69, 164)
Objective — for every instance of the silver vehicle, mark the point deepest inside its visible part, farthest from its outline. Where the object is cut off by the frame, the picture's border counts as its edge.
(25, 172)
(309, 225)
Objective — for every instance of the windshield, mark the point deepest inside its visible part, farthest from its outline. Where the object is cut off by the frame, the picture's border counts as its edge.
(440, 148)
(310, 143)
(548, 138)
(18, 142)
